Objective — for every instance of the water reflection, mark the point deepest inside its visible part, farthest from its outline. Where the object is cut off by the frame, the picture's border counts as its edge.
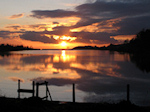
(100, 74)
(141, 60)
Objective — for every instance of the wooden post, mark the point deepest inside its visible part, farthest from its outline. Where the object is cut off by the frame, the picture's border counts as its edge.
(128, 93)
(46, 90)
(37, 89)
(73, 94)
(33, 84)
(18, 88)
(49, 93)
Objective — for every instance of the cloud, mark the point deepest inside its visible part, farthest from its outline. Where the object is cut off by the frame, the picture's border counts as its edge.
(19, 27)
(99, 20)
(5, 34)
(16, 16)
(111, 10)
(37, 36)
(115, 17)
(55, 22)
(52, 13)
(98, 38)
(15, 79)
(61, 30)
(8, 34)
(133, 25)
(15, 27)
(55, 81)
(124, 1)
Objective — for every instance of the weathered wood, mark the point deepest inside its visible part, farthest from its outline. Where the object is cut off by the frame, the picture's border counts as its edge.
(18, 88)
(33, 89)
(37, 89)
(49, 94)
(45, 97)
(128, 92)
(33, 84)
(43, 83)
(25, 90)
(73, 93)
(46, 90)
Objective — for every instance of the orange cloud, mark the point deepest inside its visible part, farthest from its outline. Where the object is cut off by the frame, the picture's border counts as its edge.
(15, 79)
(15, 16)
(103, 26)
(123, 37)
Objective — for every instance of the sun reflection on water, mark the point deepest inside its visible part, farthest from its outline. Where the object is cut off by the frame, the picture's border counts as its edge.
(96, 72)
(66, 58)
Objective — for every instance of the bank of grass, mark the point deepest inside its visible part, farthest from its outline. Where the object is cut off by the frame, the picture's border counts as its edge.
(38, 105)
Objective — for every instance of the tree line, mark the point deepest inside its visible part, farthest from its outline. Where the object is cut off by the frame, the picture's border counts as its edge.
(7, 47)
(141, 43)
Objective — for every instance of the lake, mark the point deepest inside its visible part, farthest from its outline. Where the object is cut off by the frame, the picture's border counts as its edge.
(99, 76)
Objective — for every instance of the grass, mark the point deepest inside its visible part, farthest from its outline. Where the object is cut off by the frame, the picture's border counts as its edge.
(38, 105)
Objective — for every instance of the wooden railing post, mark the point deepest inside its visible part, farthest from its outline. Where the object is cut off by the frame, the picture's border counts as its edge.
(128, 93)
(18, 88)
(37, 89)
(33, 84)
(46, 89)
(73, 93)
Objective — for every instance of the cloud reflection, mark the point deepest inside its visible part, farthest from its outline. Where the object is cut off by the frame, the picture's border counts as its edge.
(102, 74)
(15, 79)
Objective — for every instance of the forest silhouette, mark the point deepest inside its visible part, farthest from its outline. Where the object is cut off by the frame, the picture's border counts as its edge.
(138, 48)
(139, 44)
(7, 47)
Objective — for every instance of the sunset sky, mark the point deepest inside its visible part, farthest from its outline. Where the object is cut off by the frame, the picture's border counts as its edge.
(57, 24)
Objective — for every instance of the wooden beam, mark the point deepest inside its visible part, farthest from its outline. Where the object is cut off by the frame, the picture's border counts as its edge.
(25, 90)
(44, 97)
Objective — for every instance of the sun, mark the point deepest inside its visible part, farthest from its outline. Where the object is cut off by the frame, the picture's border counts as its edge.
(63, 44)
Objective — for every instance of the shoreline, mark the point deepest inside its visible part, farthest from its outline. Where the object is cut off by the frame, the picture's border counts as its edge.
(38, 105)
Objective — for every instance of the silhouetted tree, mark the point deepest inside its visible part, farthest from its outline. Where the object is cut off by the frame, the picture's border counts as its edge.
(7, 47)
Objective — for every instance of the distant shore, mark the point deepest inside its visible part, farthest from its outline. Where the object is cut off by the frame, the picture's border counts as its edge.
(6, 48)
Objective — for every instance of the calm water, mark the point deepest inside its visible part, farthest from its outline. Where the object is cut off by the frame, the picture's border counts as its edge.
(99, 76)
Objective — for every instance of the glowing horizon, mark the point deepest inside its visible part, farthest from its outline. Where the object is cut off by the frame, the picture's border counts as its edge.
(79, 23)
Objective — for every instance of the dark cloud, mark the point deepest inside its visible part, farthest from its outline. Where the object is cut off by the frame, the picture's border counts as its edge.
(125, 1)
(15, 27)
(87, 37)
(37, 36)
(38, 26)
(24, 27)
(52, 13)
(55, 22)
(133, 25)
(111, 10)
(113, 17)
(5, 34)
(55, 81)
(61, 30)
(84, 37)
